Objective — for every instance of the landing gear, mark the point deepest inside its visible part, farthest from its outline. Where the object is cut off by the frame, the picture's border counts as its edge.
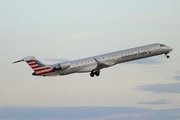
(92, 74)
(166, 54)
(97, 73)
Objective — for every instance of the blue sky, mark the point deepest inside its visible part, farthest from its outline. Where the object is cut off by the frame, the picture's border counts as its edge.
(76, 29)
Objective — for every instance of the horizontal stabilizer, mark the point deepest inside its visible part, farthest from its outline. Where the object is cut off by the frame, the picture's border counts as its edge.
(17, 61)
(28, 58)
(25, 59)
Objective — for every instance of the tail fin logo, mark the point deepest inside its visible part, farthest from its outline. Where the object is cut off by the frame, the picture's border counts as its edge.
(35, 64)
(38, 67)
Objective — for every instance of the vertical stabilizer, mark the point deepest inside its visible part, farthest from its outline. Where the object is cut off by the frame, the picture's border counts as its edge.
(38, 67)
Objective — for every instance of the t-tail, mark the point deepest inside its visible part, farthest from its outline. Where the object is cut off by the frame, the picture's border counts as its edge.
(39, 68)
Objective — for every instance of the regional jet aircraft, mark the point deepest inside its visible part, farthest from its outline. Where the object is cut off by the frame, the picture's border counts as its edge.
(96, 63)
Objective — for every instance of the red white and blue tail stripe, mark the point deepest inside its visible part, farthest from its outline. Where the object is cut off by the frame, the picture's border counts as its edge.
(39, 68)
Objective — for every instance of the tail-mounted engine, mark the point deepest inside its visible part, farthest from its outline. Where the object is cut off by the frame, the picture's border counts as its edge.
(61, 66)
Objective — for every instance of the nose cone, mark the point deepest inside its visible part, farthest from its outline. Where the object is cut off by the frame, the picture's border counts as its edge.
(169, 49)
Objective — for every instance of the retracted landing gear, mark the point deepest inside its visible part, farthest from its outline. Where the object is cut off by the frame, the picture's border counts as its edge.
(97, 73)
(166, 54)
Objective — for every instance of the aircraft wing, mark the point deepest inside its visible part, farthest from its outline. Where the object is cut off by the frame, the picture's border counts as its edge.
(100, 65)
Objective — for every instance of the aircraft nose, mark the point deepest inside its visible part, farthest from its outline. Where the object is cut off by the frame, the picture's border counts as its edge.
(170, 49)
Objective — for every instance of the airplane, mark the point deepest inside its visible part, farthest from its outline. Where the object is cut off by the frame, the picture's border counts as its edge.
(94, 64)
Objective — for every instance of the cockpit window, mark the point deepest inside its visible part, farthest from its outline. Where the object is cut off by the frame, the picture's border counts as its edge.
(162, 45)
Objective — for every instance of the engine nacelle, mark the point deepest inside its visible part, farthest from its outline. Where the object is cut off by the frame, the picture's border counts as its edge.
(62, 66)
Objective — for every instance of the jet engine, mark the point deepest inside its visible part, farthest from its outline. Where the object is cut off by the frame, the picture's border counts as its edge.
(61, 66)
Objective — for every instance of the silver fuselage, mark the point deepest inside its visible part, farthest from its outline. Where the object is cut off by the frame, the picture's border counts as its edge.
(89, 64)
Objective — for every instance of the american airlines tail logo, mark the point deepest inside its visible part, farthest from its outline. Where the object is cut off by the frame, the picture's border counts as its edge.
(39, 68)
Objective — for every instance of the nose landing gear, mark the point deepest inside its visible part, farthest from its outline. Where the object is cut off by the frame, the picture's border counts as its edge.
(97, 73)
(166, 54)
